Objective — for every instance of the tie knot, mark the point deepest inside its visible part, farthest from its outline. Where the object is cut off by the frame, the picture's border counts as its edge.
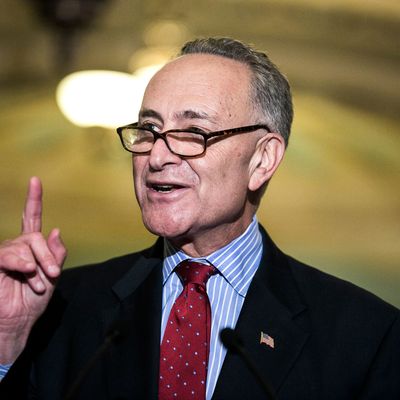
(194, 272)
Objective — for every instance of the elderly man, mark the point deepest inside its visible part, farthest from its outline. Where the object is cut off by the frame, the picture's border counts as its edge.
(212, 130)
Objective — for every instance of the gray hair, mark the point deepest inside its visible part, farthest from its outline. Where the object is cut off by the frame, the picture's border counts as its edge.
(270, 89)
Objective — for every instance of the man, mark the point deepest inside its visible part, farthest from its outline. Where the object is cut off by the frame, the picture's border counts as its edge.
(198, 180)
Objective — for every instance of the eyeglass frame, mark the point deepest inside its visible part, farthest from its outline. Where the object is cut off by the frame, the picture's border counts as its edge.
(206, 136)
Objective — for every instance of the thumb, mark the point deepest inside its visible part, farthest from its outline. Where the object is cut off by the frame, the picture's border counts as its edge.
(56, 246)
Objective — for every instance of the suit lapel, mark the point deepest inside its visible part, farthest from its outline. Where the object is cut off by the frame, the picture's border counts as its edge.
(272, 306)
(132, 364)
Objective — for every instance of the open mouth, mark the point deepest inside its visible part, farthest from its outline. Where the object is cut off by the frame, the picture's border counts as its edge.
(165, 188)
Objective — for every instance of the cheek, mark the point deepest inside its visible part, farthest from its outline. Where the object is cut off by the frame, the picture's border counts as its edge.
(138, 166)
(225, 174)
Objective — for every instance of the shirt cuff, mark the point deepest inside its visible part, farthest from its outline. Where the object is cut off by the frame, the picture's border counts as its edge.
(4, 368)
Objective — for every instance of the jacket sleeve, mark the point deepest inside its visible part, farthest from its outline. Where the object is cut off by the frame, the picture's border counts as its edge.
(16, 384)
(383, 379)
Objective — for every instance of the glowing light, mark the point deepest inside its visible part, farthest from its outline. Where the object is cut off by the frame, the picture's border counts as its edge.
(100, 98)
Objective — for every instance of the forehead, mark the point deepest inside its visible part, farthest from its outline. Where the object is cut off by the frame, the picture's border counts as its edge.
(213, 86)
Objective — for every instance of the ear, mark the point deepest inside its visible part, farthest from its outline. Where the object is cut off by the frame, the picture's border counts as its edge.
(266, 159)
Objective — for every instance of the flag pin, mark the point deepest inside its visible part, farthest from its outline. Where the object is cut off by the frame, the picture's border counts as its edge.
(267, 340)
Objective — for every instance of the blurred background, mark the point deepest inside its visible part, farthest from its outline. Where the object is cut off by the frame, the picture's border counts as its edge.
(335, 200)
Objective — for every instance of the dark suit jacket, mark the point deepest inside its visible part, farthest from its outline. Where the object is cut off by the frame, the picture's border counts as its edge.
(332, 339)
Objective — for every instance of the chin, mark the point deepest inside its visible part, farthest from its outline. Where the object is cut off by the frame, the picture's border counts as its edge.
(170, 227)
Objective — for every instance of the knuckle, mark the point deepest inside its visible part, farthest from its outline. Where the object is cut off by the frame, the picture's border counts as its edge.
(47, 260)
(23, 251)
(35, 236)
(16, 262)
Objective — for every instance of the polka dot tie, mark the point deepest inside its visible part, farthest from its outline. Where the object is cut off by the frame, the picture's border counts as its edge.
(185, 346)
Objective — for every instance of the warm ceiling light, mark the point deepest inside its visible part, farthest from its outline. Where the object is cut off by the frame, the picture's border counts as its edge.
(100, 98)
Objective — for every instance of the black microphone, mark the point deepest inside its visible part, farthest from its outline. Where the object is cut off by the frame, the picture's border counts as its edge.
(234, 343)
(118, 330)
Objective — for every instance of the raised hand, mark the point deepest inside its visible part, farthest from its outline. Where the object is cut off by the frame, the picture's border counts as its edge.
(29, 267)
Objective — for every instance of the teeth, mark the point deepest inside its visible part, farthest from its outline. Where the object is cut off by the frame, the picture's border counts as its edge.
(163, 188)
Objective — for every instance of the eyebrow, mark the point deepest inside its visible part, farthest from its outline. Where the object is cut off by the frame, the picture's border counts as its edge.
(191, 114)
(179, 115)
(149, 113)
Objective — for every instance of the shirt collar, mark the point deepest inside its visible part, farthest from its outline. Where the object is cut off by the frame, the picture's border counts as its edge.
(237, 261)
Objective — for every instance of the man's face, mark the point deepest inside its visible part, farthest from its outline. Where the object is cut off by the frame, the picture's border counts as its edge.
(203, 200)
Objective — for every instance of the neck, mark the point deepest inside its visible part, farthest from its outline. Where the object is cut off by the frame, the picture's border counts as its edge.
(210, 240)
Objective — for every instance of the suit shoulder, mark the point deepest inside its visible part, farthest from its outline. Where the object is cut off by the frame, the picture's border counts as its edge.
(331, 294)
(324, 295)
(103, 271)
(101, 276)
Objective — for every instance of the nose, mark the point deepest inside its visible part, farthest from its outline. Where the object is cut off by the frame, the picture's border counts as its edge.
(161, 155)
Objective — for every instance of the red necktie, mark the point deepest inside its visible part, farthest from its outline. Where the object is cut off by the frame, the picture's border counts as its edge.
(185, 345)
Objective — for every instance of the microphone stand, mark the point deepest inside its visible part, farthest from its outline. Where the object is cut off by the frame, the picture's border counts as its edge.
(233, 343)
(113, 335)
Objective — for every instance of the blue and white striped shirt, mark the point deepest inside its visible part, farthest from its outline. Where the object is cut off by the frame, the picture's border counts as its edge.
(4, 369)
(237, 263)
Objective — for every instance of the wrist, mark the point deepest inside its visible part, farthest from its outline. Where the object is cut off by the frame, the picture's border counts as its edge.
(11, 345)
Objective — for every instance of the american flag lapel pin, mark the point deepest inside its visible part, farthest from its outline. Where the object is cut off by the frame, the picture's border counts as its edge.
(267, 340)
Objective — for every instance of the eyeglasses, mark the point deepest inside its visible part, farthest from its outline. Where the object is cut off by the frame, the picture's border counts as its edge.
(182, 142)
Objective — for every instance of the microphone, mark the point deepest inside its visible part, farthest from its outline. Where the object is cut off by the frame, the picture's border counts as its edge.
(118, 330)
(234, 343)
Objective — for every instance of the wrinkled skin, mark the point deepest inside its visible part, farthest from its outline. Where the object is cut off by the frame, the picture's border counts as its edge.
(29, 267)
(209, 201)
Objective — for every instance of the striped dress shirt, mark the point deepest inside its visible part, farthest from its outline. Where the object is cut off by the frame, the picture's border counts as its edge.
(236, 263)
(4, 369)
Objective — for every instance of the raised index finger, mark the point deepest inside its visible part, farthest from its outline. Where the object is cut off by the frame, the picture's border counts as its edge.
(32, 216)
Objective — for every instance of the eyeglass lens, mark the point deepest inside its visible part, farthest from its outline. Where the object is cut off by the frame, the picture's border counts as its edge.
(182, 143)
